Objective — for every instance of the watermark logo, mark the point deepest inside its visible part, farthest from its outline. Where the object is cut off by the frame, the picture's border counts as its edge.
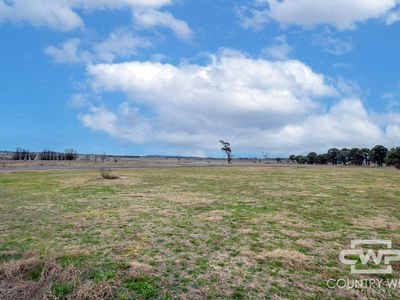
(373, 260)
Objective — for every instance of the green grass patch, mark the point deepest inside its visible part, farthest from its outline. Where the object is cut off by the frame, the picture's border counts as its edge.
(62, 289)
(238, 232)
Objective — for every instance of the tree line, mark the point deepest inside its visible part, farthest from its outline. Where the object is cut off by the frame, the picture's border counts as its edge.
(46, 154)
(378, 155)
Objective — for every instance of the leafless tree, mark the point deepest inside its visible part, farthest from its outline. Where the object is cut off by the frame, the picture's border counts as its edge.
(103, 157)
(265, 155)
(32, 155)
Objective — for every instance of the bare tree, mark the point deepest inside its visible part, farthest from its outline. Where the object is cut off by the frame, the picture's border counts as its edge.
(103, 157)
(47, 154)
(32, 155)
(17, 154)
(23, 154)
(265, 155)
(227, 149)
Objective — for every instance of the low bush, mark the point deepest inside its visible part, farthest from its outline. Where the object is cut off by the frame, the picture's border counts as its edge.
(107, 174)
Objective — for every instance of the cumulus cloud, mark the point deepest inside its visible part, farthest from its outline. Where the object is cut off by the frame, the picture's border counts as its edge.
(346, 124)
(126, 123)
(150, 18)
(255, 103)
(343, 14)
(231, 84)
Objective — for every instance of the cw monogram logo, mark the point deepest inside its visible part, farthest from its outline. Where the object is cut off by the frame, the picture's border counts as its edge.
(388, 256)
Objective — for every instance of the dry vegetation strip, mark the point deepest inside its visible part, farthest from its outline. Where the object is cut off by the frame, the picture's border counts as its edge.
(243, 233)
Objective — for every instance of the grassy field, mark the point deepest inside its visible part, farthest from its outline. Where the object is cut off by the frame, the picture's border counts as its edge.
(206, 233)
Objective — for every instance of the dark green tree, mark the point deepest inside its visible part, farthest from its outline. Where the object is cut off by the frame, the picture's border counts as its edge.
(343, 156)
(321, 159)
(378, 155)
(332, 155)
(311, 157)
(356, 156)
(393, 158)
(301, 159)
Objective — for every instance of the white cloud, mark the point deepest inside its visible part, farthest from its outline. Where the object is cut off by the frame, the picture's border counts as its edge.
(393, 134)
(62, 14)
(253, 16)
(331, 44)
(343, 14)
(349, 88)
(120, 44)
(253, 103)
(69, 52)
(57, 15)
(393, 17)
(106, 4)
(126, 123)
(230, 82)
(346, 124)
(150, 18)
(279, 49)
(392, 98)
(100, 119)
(79, 101)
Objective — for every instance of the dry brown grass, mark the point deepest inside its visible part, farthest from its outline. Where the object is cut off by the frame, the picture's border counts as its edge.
(214, 216)
(138, 269)
(96, 291)
(15, 281)
(378, 222)
(290, 258)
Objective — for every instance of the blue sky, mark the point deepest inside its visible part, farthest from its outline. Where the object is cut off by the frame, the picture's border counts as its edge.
(173, 77)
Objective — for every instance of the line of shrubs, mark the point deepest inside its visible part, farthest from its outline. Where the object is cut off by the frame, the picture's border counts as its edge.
(46, 154)
(378, 155)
